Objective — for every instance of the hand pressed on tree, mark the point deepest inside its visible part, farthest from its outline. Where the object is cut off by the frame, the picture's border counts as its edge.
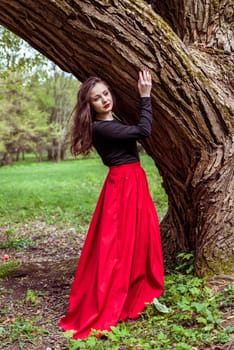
(144, 83)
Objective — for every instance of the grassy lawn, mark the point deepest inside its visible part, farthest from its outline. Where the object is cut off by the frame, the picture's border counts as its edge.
(61, 192)
(45, 209)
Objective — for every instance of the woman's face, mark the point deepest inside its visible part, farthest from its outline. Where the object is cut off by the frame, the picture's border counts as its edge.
(101, 99)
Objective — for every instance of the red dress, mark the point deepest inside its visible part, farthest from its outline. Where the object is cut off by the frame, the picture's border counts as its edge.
(121, 265)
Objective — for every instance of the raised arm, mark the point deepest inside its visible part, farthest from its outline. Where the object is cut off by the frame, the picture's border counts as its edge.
(116, 130)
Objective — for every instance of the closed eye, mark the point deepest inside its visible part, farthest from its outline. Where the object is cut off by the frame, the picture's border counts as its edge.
(96, 98)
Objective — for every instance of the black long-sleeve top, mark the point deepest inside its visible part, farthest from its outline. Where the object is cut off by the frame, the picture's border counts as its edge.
(116, 142)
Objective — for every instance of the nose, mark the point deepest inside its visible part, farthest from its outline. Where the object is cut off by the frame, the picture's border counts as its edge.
(104, 99)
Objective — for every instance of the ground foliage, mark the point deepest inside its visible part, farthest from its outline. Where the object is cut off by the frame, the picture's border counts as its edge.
(31, 305)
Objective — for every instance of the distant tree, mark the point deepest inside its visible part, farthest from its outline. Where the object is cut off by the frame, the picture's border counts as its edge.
(19, 118)
(37, 99)
(56, 96)
(17, 61)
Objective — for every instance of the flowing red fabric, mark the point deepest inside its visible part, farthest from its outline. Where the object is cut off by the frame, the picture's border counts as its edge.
(121, 265)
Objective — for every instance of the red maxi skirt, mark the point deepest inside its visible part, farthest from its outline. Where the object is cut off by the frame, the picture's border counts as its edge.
(121, 264)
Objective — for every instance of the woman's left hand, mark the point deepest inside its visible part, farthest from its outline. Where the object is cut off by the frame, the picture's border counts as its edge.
(144, 83)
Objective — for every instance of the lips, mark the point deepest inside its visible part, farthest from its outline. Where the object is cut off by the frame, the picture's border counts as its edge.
(107, 105)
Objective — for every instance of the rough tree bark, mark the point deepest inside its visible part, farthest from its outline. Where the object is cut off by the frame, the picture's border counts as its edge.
(193, 139)
(204, 22)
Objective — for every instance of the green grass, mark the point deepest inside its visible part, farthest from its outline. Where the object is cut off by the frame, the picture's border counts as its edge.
(61, 192)
(22, 331)
(7, 268)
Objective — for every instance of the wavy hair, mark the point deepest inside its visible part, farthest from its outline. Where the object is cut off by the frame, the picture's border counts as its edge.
(83, 117)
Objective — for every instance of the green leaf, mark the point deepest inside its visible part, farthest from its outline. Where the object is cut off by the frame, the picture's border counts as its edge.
(201, 320)
(183, 346)
(160, 307)
(68, 334)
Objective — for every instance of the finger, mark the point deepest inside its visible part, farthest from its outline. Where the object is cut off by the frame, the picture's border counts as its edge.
(140, 75)
(141, 78)
(149, 77)
(146, 76)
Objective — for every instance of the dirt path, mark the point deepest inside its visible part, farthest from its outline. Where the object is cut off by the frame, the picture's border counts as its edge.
(38, 296)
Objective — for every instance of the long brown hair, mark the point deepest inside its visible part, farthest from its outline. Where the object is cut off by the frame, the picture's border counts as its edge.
(83, 117)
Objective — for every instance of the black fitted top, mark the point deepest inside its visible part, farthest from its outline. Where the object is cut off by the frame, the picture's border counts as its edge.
(116, 142)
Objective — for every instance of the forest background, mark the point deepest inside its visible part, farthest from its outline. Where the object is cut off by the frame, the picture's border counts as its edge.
(36, 103)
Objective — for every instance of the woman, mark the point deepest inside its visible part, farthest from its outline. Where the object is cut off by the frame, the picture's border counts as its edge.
(121, 265)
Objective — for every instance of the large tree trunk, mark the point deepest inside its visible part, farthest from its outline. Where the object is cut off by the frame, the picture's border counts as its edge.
(203, 22)
(192, 142)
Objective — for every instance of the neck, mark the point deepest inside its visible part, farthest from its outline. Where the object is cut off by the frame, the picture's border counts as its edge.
(105, 116)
